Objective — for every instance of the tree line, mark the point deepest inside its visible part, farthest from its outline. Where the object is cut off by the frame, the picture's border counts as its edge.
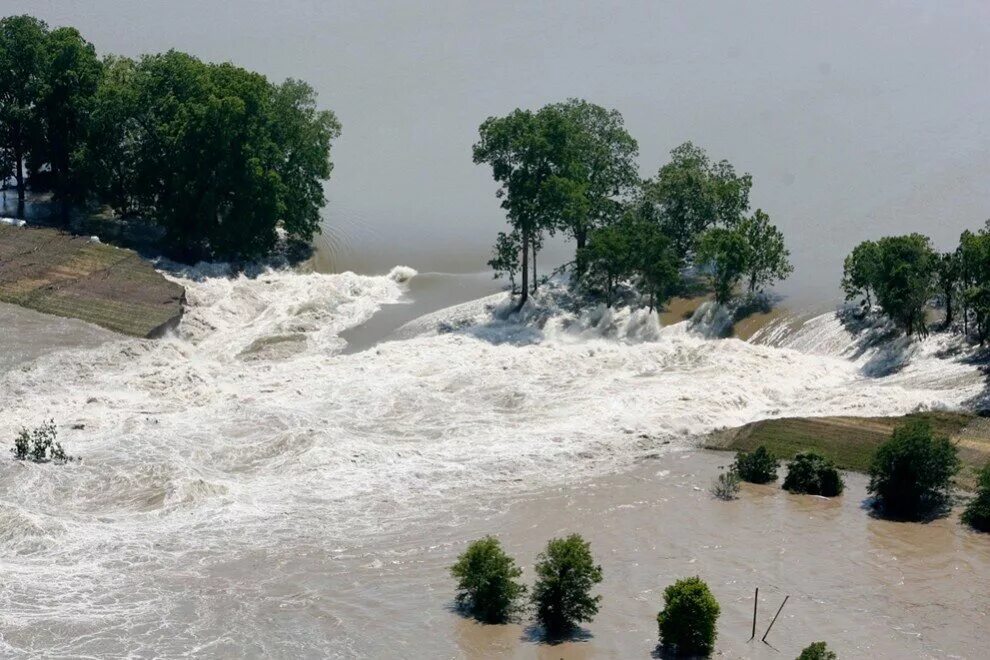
(901, 277)
(570, 168)
(218, 156)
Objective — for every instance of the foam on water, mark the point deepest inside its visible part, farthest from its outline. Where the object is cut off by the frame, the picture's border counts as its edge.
(248, 431)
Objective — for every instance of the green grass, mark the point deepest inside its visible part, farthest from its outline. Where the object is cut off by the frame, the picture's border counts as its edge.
(851, 441)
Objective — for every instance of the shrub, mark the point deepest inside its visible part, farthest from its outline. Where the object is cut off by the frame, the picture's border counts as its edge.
(977, 513)
(911, 474)
(813, 474)
(486, 581)
(40, 445)
(817, 651)
(687, 621)
(758, 467)
(726, 485)
(565, 575)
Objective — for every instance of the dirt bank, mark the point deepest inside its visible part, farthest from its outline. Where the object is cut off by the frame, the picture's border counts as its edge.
(72, 276)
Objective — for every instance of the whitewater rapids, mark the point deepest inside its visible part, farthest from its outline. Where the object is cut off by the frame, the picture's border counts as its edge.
(248, 431)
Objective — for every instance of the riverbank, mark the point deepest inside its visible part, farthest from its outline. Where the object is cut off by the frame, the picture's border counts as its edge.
(72, 276)
(851, 441)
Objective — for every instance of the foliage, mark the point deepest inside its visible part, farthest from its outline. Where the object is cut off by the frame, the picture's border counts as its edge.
(486, 581)
(565, 575)
(724, 252)
(22, 64)
(40, 445)
(813, 474)
(608, 259)
(691, 194)
(758, 467)
(911, 474)
(687, 621)
(505, 257)
(817, 651)
(977, 512)
(726, 485)
(766, 257)
(899, 271)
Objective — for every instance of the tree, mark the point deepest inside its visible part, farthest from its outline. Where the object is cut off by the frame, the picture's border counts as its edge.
(505, 257)
(813, 474)
(519, 149)
(687, 621)
(726, 485)
(597, 167)
(817, 651)
(22, 63)
(71, 75)
(690, 194)
(653, 260)
(767, 258)
(977, 512)
(974, 281)
(724, 253)
(607, 259)
(758, 467)
(858, 272)
(565, 575)
(904, 283)
(911, 474)
(947, 274)
(486, 581)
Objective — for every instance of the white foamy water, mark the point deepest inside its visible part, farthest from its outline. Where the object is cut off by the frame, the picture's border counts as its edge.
(218, 456)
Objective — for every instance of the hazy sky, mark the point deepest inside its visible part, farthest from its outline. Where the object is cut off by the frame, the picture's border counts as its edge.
(855, 118)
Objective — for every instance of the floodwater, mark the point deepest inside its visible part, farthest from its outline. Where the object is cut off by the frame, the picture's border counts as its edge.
(255, 485)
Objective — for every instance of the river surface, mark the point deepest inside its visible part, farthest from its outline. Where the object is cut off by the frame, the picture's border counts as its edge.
(270, 480)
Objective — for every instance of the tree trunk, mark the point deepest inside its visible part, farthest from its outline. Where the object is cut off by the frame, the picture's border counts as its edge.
(19, 172)
(535, 280)
(525, 271)
(948, 308)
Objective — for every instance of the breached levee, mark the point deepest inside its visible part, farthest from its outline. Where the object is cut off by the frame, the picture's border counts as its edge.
(77, 277)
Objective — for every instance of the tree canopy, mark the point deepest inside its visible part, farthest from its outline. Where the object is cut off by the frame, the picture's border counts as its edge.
(217, 155)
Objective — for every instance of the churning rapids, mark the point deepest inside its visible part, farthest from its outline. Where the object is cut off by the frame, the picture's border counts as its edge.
(218, 457)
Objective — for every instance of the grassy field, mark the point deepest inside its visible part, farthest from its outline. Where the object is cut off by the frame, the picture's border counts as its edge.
(851, 441)
(66, 275)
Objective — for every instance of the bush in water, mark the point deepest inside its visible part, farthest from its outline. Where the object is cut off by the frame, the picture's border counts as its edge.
(486, 581)
(911, 474)
(565, 575)
(813, 474)
(687, 621)
(758, 467)
(817, 651)
(726, 485)
(977, 513)
(40, 445)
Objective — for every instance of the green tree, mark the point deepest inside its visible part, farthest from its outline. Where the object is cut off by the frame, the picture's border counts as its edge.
(911, 474)
(904, 282)
(817, 651)
(565, 575)
(947, 275)
(813, 474)
(23, 42)
(487, 581)
(688, 620)
(758, 467)
(70, 77)
(724, 252)
(977, 512)
(767, 260)
(859, 272)
(974, 281)
(505, 257)
(691, 194)
(607, 259)
(596, 169)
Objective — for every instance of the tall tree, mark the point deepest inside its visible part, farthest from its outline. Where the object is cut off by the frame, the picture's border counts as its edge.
(691, 194)
(723, 252)
(767, 259)
(859, 272)
(22, 61)
(70, 76)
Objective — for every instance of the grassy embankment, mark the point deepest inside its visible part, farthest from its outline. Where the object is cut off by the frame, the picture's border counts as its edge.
(55, 273)
(851, 441)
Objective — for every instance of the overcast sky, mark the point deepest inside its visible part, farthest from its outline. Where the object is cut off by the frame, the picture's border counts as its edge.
(855, 118)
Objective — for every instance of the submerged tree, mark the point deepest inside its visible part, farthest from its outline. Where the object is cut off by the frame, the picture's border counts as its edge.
(487, 583)
(565, 575)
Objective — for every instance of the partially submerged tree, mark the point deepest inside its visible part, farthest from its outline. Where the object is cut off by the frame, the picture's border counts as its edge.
(688, 620)
(767, 258)
(911, 474)
(487, 581)
(817, 651)
(758, 467)
(565, 575)
(813, 474)
(723, 253)
(977, 512)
